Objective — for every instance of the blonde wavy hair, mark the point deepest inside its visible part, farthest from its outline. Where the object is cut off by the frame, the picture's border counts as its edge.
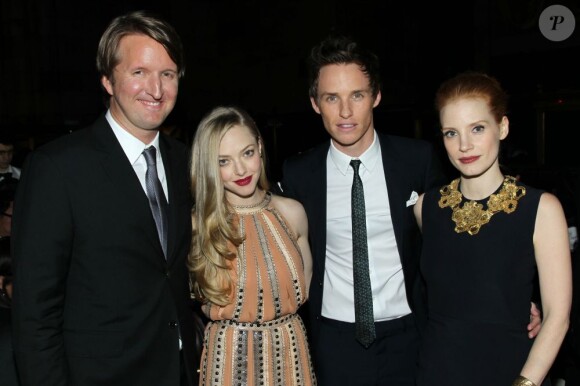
(215, 238)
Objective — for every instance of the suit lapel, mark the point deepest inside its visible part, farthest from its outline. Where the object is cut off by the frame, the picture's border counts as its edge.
(394, 176)
(126, 183)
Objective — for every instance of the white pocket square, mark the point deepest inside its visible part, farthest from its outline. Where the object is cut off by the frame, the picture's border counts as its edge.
(413, 199)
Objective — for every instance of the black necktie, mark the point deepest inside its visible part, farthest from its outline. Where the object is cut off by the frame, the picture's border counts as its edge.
(157, 200)
(363, 297)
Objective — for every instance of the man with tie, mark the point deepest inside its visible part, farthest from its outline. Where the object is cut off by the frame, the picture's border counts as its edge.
(102, 229)
(6, 154)
(358, 189)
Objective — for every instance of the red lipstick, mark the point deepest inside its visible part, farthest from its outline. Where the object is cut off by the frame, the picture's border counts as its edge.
(244, 181)
(468, 160)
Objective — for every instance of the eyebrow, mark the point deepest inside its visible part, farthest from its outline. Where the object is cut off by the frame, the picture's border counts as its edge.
(367, 90)
(471, 124)
(241, 151)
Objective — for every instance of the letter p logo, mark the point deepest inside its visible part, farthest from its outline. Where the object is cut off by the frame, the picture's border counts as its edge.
(557, 23)
(556, 20)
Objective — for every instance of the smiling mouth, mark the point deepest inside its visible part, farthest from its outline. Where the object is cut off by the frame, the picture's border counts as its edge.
(151, 104)
(244, 181)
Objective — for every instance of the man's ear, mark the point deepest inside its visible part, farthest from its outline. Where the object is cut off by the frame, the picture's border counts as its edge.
(107, 84)
(377, 99)
(314, 105)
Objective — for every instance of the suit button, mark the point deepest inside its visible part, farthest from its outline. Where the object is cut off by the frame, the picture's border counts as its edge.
(167, 274)
(172, 324)
(320, 284)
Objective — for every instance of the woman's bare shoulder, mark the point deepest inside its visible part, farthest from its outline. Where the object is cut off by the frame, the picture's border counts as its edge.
(284, 204)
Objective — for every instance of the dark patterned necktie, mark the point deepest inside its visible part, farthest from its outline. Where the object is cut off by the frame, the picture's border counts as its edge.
(363, 297)
(157, 200)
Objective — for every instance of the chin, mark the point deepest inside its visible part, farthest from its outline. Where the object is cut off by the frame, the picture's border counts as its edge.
(471, 173)
(244, 192)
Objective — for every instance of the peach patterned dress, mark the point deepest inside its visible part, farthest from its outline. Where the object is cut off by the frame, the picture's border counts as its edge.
(259, 339)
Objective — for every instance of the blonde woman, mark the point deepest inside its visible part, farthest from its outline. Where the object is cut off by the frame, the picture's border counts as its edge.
(250, 260)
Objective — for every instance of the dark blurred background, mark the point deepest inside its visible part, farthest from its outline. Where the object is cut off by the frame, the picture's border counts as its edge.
(253, 52)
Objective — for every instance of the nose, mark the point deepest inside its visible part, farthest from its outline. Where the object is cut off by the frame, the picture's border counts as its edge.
(155, 86)
(345, 109)
(465, 143)
(239, 168)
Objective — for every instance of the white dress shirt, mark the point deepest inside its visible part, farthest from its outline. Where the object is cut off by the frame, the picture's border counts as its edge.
(133, 149)
(11, 169)
(386, 271)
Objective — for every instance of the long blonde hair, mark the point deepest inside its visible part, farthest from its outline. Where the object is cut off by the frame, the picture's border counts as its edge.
(215, 237)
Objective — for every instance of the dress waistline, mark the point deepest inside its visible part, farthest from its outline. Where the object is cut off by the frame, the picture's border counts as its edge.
(257, 325)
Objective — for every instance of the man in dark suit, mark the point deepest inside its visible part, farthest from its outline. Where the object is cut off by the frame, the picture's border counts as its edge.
(345, 88)
(101, 296)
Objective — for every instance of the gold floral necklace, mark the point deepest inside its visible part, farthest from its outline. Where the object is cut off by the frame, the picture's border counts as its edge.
(471, 216)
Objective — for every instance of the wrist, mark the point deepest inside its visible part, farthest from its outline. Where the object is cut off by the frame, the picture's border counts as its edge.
(523, 381)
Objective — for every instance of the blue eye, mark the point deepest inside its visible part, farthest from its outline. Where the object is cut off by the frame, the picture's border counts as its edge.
(169, 74)
(449, 133)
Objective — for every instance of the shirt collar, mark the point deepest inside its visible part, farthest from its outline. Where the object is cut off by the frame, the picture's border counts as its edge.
(368, 159)
(132, 146)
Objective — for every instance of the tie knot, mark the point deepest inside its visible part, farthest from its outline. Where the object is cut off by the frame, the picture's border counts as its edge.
(355, 163)
(150, 155)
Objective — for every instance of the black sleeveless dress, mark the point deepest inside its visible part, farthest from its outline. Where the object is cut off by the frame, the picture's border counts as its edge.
(479, 290)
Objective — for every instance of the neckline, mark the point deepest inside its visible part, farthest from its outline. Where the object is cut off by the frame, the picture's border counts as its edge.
(246, 209)
(485, 199)
(470, 216)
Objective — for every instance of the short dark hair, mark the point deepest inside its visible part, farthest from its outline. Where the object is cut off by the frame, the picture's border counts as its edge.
(340, 49)
(6, 139)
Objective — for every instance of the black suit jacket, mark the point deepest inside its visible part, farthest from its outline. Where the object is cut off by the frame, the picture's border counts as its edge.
(96, 302)
(409, 165)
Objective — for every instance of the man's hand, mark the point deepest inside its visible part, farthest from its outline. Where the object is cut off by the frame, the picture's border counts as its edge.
(535, 321)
